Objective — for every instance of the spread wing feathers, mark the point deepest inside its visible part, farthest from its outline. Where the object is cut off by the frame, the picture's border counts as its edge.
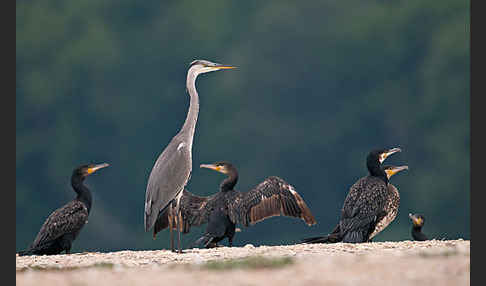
(68, 219)
(272, 197)
(362, 209)
(193, 211)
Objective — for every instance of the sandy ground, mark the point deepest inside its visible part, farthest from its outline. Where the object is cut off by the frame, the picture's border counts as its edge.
(434, 262)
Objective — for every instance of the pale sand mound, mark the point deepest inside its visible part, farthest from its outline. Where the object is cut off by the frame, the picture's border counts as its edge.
(433, 262)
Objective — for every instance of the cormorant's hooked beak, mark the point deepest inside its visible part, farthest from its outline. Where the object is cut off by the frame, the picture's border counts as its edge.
(384, 155)
(212, 167)
(390, 171)
(96, 167)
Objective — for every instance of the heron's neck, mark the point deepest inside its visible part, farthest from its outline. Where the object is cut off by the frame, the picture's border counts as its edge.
(84, 194)
(190, 123)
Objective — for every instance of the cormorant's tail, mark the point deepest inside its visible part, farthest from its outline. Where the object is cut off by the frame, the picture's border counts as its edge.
(26, 252)
(205, 240)
(331, 238)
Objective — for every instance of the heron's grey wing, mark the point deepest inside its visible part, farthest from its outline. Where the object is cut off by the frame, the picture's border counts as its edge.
(272, 197)
(167, 178)
(163, 220)
(68, 219)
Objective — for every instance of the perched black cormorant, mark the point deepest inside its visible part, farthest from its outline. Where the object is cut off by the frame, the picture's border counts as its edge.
(64, 224)
(418, 221)
(371, 204)
(224, 209)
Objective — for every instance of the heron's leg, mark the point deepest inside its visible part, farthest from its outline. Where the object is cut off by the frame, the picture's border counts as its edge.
(230, 241)
(171, 234)
(179, 226)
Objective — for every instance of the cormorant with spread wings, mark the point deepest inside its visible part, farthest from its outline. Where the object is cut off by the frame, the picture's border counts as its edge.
(224, 209)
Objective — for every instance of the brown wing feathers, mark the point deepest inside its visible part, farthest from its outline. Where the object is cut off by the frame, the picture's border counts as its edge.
(306, 214)
(272, 197)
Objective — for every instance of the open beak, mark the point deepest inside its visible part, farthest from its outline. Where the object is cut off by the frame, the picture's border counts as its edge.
(392, 171)
(384, 155)
(97, 167)
(211, 166)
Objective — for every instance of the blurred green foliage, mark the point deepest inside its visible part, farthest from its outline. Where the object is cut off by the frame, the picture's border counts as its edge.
(318, 85)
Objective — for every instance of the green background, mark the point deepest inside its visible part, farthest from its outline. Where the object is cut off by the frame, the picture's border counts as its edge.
(318, 85)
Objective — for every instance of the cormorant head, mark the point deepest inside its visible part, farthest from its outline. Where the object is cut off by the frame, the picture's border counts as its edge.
(85, 170)
(204, 66)
(381, 154)
(392, 170)
(222, 167)
(417, 219)
(374, 160)
(227, 169)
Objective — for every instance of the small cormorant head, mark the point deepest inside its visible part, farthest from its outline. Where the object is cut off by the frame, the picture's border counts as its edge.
(222, 167)
(85, 170)
(392, 170)
(417, 219)
(204, 66)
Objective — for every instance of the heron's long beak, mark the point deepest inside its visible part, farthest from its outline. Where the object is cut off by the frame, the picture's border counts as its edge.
(394, 169)
(384, 155)
(224, 67)
(97, 167)
(211, 166)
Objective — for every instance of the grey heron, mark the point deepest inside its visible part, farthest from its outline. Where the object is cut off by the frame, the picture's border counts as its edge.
(173, 167)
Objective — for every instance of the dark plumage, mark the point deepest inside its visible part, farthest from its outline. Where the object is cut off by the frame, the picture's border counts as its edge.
(64, 224)
(371, 203)
(418, 221)
(224, 209)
